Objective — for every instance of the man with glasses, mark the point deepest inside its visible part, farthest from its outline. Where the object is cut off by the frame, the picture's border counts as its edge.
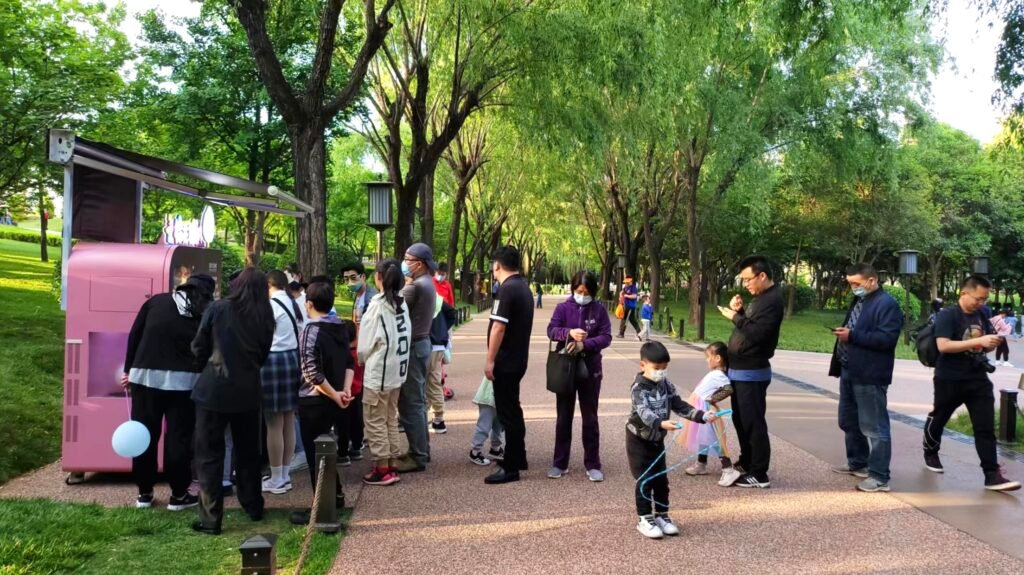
(354, 275)
(755, 336)
(963, 335)
(862, 359)
(420, 295)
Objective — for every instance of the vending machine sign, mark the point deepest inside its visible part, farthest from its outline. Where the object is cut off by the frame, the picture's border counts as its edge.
(195, 233)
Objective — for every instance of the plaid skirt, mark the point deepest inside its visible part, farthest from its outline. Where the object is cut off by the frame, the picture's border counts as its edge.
(280, 381)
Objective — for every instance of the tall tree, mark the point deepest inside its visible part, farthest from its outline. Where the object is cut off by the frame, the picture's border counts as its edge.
(310, 102)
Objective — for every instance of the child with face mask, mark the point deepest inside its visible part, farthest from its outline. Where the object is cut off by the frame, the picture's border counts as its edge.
(653, 401)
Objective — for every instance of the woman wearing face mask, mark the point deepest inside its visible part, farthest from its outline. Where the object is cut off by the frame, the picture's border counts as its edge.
(583, 325)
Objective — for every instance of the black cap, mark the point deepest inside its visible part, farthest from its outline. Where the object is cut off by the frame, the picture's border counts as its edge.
(202, 281)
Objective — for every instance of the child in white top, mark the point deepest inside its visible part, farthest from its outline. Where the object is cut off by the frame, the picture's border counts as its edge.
(710, 439)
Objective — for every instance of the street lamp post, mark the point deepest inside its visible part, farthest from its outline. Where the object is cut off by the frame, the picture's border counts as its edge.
(980, 265)
(907, 269)
(622, 270)
(379, 213)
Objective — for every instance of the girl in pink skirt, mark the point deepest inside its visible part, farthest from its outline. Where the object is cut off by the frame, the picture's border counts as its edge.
(710, 439)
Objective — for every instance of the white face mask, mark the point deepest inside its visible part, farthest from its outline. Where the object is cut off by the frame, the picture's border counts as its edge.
(657, 375)
(582, 299)
(441, 277)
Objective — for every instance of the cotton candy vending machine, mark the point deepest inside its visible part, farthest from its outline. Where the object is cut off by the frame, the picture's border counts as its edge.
(108, 273)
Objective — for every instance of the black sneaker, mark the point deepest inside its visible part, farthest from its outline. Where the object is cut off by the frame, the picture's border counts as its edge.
(227, 490)
(356, 455)
(478, 457)
(198, 527)
(344, 460)
(497, 454)
(182, 503)
(145, 501)
(438, 427)
(501, 476)
(996, 482)
(933, 463)
(753, 481)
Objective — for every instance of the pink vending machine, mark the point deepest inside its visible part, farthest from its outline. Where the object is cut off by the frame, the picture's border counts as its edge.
(108, 274)
(107, 283)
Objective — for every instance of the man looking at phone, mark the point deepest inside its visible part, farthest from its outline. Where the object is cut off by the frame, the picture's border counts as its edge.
(755, 336)
(963, 335)
(862, 359)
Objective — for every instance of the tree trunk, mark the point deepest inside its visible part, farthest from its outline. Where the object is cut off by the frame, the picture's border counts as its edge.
(44, 255)
(427, 199)
(693, 242)
(935, 264)
(791, 304)
(458, 206)
(311, 186)
(255, 228)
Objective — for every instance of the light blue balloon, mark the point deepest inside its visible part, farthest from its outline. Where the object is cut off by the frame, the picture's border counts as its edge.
(131, 439)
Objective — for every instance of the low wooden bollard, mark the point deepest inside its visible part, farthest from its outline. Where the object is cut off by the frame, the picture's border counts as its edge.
(258, 556)
(326, 512)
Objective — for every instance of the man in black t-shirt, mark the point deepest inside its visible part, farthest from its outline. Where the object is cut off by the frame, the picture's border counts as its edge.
(508, 352)
(963, 334)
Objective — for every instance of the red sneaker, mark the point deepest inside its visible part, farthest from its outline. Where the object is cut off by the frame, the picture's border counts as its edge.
(381, 477)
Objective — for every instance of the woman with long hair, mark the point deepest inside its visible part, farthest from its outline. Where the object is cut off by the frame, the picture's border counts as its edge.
(231, 346)
(160, 372)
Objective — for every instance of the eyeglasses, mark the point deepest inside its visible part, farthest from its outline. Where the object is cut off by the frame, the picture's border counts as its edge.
(747, 280)
(351, 278)
(980, 300)
(411, 260)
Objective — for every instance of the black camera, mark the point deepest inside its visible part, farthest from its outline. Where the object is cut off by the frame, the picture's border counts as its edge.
(981, 361)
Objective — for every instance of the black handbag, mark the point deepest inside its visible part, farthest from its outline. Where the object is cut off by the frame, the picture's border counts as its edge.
(561, 370)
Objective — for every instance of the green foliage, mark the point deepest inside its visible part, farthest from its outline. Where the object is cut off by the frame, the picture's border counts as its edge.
(231, 262)
(31, 362)
(20, 235)
(51, 537)
(911, 311)
(805, 298)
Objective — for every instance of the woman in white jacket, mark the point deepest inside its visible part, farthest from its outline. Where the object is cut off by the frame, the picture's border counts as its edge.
(385, 338)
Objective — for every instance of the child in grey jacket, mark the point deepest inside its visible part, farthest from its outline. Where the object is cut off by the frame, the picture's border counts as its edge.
(654, 399)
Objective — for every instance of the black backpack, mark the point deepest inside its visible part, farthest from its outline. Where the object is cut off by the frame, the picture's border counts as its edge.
(924, 342)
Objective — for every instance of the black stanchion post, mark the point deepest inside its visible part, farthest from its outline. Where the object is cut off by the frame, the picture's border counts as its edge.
(682, 328)
(1008, 415)
(258, 556)
(327, 511)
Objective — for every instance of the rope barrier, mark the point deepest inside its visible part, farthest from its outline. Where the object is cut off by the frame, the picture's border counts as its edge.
(311, 526)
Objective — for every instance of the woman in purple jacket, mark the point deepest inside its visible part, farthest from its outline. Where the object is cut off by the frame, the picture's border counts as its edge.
(580, 320)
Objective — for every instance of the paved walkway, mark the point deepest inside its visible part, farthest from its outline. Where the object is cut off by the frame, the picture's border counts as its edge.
(812, 521)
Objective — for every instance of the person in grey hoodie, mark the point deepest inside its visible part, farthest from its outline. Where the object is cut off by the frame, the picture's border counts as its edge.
(654, 400)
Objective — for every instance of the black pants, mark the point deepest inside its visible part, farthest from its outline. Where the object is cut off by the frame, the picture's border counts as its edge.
(150, 407)
(246, 438)
(510, 414)
(349, 427)
(977, 395)
(317, 419)
(631, 318)
(749, 404)
(647, 456)
(1003, 351)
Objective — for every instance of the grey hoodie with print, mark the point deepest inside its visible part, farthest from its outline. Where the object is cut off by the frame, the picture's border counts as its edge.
(653, 403)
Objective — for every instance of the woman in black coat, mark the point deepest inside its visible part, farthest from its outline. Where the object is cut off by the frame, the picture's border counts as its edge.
(232, 345)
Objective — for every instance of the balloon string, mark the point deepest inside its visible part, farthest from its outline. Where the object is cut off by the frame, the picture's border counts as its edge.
(128, 403)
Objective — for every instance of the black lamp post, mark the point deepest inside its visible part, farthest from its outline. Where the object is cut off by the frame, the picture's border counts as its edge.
(908, 269)
(379, 212)
(621, 264)
(883, 276)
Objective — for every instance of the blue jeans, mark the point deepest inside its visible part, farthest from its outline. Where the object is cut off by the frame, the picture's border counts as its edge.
(412, 403)
(864, 416)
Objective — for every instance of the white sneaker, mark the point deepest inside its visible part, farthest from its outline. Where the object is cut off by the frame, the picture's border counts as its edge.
(298, 462)
(729, 477)
(277, 488)
(697, 469)
(665, 523)
(998, 364)
(1007, 364)
(648, 528)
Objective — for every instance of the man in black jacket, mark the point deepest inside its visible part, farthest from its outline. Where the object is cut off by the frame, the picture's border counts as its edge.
(863, 359)
(755, 336)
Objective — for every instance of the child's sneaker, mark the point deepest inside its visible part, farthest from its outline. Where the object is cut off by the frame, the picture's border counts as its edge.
(356, 454)
(698, 468)
(145, 501)
(497, 454)
(344, 460)
(438, 427)
(478, 457)
(729, 477)
(648, 528)
(665, 523)
(182, 503)
(380, 476)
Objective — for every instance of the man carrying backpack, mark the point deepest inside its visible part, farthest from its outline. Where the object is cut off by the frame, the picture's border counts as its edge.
(963, 335)
(863, 359)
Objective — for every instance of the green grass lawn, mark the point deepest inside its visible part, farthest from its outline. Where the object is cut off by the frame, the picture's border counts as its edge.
(805, 331)
(44, 537)
(962, 423)
(31, 360)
